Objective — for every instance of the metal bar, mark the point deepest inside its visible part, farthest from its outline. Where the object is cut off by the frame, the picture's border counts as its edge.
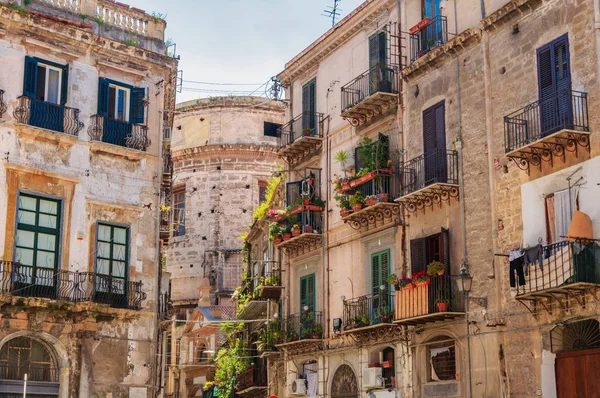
(47, 115)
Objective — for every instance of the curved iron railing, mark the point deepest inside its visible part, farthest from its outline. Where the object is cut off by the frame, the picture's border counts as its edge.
(430, 36)
(304, 326)
(304, 125)
(119, 132)
(47, 115)
(368, 310)
(3, 106)
(378, 79)
(564, 110)
(306, 184)
(27, 281)
(439, 166)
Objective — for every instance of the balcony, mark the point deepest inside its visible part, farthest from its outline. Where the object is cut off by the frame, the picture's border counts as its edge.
(427, 35)
(368, 318)
(119, 132)
(252, 379)
(300, 137)
(429, 179)
(303, 332)
(546, 130)
(268, 285)
(3, 107)
(76, 287)
(373, 93)
(416, 305)
(48, 116)
(307, 236)
(564, 270)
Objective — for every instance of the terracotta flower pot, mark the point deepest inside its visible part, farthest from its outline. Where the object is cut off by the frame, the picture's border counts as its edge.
(407, 287)
(287, 236)
(306, 201)
(371, 201)
(308, 229)
(423, 283)
(383, 197)
(345, 212)
(387, 364)
(296, 232)
(442, 307)
(356, 207)
(440, 273)
(310, 182)
(277, 240)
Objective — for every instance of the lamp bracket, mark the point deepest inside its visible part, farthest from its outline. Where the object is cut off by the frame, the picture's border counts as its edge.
(482, 301)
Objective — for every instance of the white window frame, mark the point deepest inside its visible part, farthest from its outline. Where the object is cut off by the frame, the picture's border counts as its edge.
(47, 81)
(127, 103)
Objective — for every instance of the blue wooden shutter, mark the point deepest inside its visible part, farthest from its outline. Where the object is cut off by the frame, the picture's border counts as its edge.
(64, 89)
(30, 79)
(137, 105)
(103, 93)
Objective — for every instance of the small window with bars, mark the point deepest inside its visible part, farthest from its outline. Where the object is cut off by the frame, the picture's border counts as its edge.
(441, 354)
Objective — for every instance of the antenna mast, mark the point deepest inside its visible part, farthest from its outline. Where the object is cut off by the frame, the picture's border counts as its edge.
(332, 12)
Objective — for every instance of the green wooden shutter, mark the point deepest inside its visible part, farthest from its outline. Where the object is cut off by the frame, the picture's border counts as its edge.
(137, 105)
(375, 273)
(307, 292)
(373, 51)
(418, 255)
(382, 48)
(64, 89)
(309, 105)
(103, 94)
(30, 78)
(385, 266)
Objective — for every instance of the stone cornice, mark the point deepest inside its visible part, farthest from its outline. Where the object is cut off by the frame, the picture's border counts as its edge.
(208, 151)
(362, 16)
(244, 102)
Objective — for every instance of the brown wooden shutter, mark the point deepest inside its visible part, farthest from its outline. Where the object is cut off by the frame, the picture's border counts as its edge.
(418, 255)
(445, 249)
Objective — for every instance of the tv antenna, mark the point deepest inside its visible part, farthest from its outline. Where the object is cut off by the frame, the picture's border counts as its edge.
(332, 12)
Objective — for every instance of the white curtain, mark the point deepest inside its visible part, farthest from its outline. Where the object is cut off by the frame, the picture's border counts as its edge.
(563, 211)
(312, 378)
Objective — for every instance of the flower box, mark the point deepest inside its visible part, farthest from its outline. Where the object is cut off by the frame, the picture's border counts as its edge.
(407, 287)
(356, 207)
(419, 26)
(277, 240)
(287, 236)
(371, 201)
(296, 232)
(423, 283)
(387, 364)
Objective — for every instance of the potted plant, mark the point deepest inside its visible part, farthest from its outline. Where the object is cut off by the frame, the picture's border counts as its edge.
(357, 201)
(296, 230)
(383, 197)
(305, 198)
(435, 268)
(385, 314)
(308, 229)
(343, 203)
(278, 239)
(442, 305)
(317, 332)
(370, 200)
(392, 279)
(275, 230)
(307, 131)
(405, 284)
(421, 278)
(287, 234)
(342, 157)
(310, 179)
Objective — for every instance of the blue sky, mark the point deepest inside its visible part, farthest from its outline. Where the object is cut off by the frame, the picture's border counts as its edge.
(239, 41)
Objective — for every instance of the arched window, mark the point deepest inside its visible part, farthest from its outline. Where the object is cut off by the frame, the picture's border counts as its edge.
(344, 384)
(582, 335)
(441, 354)
(22, 356)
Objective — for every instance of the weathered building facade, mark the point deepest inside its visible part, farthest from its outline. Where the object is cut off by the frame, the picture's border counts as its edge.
(86, 88)
(465, 133)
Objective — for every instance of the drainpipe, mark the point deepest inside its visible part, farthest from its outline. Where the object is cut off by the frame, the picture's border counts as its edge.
(597, 29)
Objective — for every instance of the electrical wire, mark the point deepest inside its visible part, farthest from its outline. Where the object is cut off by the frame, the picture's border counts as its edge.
(223, 84)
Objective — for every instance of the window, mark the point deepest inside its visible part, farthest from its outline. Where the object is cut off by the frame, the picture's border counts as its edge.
(45, 81)
(270, 129)
(112, 259)
(179, 211)
(22, 356)
(431, 248)
(309, 106)
(37, 240)
(389, 368)
(559, 212)
(262, 191)
(442, 359)
(307, 293)
(120, 101)
(380, 270)
(430, 8)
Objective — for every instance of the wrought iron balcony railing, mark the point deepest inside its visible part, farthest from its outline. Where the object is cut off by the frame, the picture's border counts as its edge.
(564, 110)
(379, 184)
(305, 189)
(436, 167)
(26, 281)
(119, 132)
(430, 36)
(561, 265)
(304, 125)
(254, 376)
(368, 310)
(3, 107)
(47, 115)
(378, 79)
(305, 326)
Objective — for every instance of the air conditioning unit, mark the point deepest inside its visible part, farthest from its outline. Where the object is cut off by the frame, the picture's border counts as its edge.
(298, 387)
(372, 378)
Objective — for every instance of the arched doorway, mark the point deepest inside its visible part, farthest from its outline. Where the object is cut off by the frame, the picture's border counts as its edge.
(344, 384)
(23, 355)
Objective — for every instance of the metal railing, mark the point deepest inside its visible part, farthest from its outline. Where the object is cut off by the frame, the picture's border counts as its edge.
(432, 35)
(304, 326)
(119, 132)
(271, 335)
(560, 264)
(270, 278)
(368, 310)
(47, 115)
(422, 300)
(436, 167)
(3, 107)
(304, 125)
(165, 305)
(564, 110)
(380, 186)
(254, 376)
(9, 371)
(306, 187)
(378, 79)
(27, 281)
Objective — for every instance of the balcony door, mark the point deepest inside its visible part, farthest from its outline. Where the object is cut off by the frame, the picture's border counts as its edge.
(307, 294)
(112, 259)
(309, 109)
(379, 79)
(380, 271)
(554, 82)
(431, 35)
(434, 146)
(121, 105)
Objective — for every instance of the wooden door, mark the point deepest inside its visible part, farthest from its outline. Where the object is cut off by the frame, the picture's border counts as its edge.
(577, 374)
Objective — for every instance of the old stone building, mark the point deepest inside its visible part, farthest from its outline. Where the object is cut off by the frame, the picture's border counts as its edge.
(86, 88)
(465, 134)
(223, 151)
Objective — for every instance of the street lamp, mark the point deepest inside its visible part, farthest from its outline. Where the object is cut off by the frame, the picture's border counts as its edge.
(464, 280)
